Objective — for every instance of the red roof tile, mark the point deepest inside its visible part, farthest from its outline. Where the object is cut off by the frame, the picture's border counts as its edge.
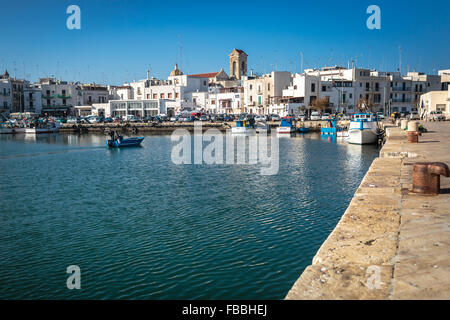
(204, 75)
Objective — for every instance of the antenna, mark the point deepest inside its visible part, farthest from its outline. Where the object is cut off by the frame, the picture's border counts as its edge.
(301, 63)
(400, 58)
(181, 52)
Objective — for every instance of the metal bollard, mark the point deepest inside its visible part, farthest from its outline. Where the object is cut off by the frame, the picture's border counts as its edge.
(426, 177)
(413, 137)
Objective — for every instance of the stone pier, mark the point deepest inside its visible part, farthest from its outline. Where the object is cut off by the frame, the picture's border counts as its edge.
(390, 243)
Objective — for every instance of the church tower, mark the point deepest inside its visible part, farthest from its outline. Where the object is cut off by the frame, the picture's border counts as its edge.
(238, 64)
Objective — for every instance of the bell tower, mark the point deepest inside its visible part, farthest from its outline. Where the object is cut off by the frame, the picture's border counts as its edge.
(238, 64)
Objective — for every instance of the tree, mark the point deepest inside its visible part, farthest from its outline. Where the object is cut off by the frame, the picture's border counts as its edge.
(321, 104)
(365, 105)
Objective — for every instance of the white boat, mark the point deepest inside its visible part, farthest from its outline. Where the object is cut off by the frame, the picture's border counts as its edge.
(243, 127)
(363, 129)
(286, 127)
(49, 127)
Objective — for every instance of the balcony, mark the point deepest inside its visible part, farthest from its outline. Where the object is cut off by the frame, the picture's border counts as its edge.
(48, 97)
(401, 89)
(61, 96)
(6, 94)
(401, 100)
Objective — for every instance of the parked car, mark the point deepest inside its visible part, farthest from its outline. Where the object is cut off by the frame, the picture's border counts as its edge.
(108, 120)
(302, 117)
(73, 120)
(204, 118)
(163, 117)
(380, 115)
(326, 116)
(260, 118)
(436, 116)
(275, 117)
(413, 116)
(315, 116)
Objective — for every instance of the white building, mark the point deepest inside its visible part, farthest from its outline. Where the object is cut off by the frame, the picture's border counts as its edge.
(33, 99)
(435, 101)
(94, 93)
(261, 92)
(5, 95)
(140, 108)
(59, 97)
(226, 100)
(183, 91)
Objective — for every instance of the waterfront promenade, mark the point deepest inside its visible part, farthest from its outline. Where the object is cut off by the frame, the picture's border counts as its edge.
(387, 232)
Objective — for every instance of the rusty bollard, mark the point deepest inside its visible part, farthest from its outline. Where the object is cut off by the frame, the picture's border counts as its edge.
(426, 177)
(413, 137)
(413, 132)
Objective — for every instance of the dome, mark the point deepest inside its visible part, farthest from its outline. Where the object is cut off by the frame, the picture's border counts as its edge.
(176, 71)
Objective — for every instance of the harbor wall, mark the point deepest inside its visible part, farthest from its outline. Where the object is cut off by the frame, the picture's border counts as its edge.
(168, 127)
(378, 250)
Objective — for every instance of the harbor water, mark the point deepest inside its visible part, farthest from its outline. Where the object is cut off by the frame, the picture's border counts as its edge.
(141, 227)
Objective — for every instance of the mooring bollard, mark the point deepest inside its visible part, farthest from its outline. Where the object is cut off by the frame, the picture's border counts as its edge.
(413, 132)
(426, 177)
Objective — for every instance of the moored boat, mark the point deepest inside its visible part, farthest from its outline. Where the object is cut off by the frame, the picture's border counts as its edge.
(363, 129)
(244, 127)
(286, 126)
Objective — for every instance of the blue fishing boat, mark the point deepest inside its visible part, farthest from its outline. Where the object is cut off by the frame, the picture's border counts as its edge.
(331, 128)
(287, 125)
(118, 141)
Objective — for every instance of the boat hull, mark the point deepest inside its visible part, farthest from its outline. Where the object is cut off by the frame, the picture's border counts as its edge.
(358, 136)
(285, 130)
(6, 130)
(242, 130)
(130, 142)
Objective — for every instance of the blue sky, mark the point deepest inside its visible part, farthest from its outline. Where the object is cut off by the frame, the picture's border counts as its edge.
(120, 40)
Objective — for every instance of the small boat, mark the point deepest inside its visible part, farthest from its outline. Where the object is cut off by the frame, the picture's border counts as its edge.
(262, 127)
(243, 127)
(331, 128)
(6, 128)
(38, 127)
(286, 126)
(117, 141)
(363, 129)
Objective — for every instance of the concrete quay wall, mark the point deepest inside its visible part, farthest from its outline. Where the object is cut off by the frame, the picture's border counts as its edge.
(390, 243)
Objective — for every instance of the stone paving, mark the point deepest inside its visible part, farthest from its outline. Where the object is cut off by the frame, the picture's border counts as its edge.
(390, 243)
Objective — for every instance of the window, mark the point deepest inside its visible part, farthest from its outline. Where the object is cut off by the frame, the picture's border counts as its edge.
(367, 86)
(177, 95)
(351, 95)
(251, 87)
(162, 95)
(268, 87)
(324, 88)
(64, 102)
(169, 95)
(204, 83)
(213, 101)
(251, 98)
(64, 92)
(155, 96)
(313, 87)
(360, 84)
(295, 87)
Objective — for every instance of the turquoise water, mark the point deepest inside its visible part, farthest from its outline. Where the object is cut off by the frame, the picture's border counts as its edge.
(140, 227)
